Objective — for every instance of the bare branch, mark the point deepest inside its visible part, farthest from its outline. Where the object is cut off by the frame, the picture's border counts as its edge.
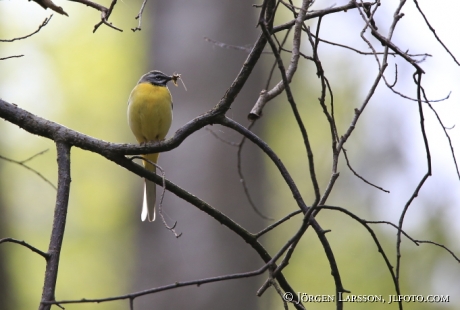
(441, 246)
(222, 139)
(14, 56)
(43, 24)
(415, 241)
(284, 85)
(25, 244)
(367, 53)
(272, 264)
(231, 47)
(266, 96)
(160, 205)
(360, 177)
(227, 122)
(22, 163)
(240, 170)
(374, 237)
(50, 4)
(116, 152)
(199, 282)
(434, 33)
(105, 13)
(444, 128)
(139, 17)
(319, 13)
(60, 216)
(418, 76)
(281, 221)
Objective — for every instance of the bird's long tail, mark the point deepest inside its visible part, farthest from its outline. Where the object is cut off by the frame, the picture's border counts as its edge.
(150, 190)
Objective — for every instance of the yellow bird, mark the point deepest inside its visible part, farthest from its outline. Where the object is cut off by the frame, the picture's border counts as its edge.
(150, 115)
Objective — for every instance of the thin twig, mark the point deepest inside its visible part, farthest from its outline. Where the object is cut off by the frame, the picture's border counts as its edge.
(22, 163)
(418, 77)
(314, 14)
(25, 244)
(280, 293)
(243, 179)
(270, 75)
(43, 24)
(105, 13)
(444, 128)
(35, 155)
(441, 246)
(285, 85)
(221, 139)
(278, 269)
(367, 53)
(231, 47)
(415, 241)
(14, 56)
(281, 221)
(266, 96)
(160, 205)
(374, 237)
(240, 171)
(59, 221)
(434, 33)
(359, 176)
(175, 285)
(139, 17)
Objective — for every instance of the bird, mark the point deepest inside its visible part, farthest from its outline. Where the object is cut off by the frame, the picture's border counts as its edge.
(150, 114)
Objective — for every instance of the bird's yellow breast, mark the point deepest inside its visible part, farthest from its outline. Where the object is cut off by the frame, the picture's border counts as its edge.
(150, 112)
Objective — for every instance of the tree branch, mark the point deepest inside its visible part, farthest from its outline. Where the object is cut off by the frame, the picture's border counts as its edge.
(25, 244)
(43, 24)
(60, 217)
(50, 4)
